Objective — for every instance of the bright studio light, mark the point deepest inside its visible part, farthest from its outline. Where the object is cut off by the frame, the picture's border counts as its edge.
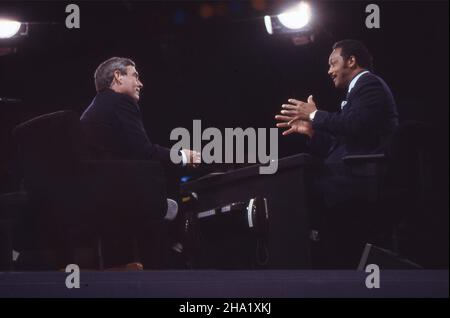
(297, 17)
(268, 24)
(8, 28)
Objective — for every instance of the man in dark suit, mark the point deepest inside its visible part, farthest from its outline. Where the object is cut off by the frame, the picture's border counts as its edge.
(112, 124)
(366, 119)
(113, 127)
(364, 122)
(113, 121)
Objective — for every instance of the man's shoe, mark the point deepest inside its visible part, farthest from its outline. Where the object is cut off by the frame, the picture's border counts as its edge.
(135, 266)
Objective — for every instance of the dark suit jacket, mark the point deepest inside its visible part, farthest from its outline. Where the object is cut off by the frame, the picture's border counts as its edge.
(361, 127)
(113, 129)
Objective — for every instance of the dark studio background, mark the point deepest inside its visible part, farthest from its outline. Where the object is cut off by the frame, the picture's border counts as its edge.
(225, 70)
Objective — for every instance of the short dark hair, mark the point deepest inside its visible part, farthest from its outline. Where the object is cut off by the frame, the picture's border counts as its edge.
(104, 73)
(358, 50)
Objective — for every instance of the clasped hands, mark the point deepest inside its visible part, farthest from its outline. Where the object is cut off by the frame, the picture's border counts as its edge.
(193, 157)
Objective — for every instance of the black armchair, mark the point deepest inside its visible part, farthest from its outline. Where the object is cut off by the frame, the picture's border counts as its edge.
(12, 206)
(75, 199)
(400, 186)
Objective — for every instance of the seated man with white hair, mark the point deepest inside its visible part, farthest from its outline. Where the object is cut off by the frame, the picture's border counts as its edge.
(113, 123)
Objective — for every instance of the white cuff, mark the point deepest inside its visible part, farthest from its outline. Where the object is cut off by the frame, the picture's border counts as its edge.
(184, 158)
(172, 210)
(311, 116)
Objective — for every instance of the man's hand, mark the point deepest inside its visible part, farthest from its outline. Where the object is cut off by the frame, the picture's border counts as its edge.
(193, 157)
(298, 109)
(295, 126)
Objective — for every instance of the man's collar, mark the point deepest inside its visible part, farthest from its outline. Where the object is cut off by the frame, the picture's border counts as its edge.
(111, 91)
(355, 79)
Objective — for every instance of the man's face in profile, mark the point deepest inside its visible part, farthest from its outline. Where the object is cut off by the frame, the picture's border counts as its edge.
(339, 71)
(130, 83)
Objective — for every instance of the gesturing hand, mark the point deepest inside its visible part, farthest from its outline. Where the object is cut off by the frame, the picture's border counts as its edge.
(295, 117)
(295, 126)
(298, 109)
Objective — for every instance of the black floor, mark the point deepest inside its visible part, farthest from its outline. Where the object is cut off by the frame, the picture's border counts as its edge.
(226, 284)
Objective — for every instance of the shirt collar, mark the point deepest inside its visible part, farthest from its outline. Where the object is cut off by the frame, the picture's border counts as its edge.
(354, 80)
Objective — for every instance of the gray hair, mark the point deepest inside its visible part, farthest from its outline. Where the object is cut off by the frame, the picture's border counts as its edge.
(104, 74)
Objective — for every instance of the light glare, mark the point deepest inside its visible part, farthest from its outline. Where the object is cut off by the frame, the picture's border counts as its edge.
(8, 28)
(268, 24)
(297, 17)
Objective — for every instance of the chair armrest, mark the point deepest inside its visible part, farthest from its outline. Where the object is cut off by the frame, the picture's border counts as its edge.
(366, 165)
(363, 159)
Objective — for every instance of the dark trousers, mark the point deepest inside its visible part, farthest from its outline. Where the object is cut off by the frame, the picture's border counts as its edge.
(342, 216)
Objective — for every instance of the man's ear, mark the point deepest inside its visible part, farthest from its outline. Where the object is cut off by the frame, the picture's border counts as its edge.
(117, 77)
(351, 62)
